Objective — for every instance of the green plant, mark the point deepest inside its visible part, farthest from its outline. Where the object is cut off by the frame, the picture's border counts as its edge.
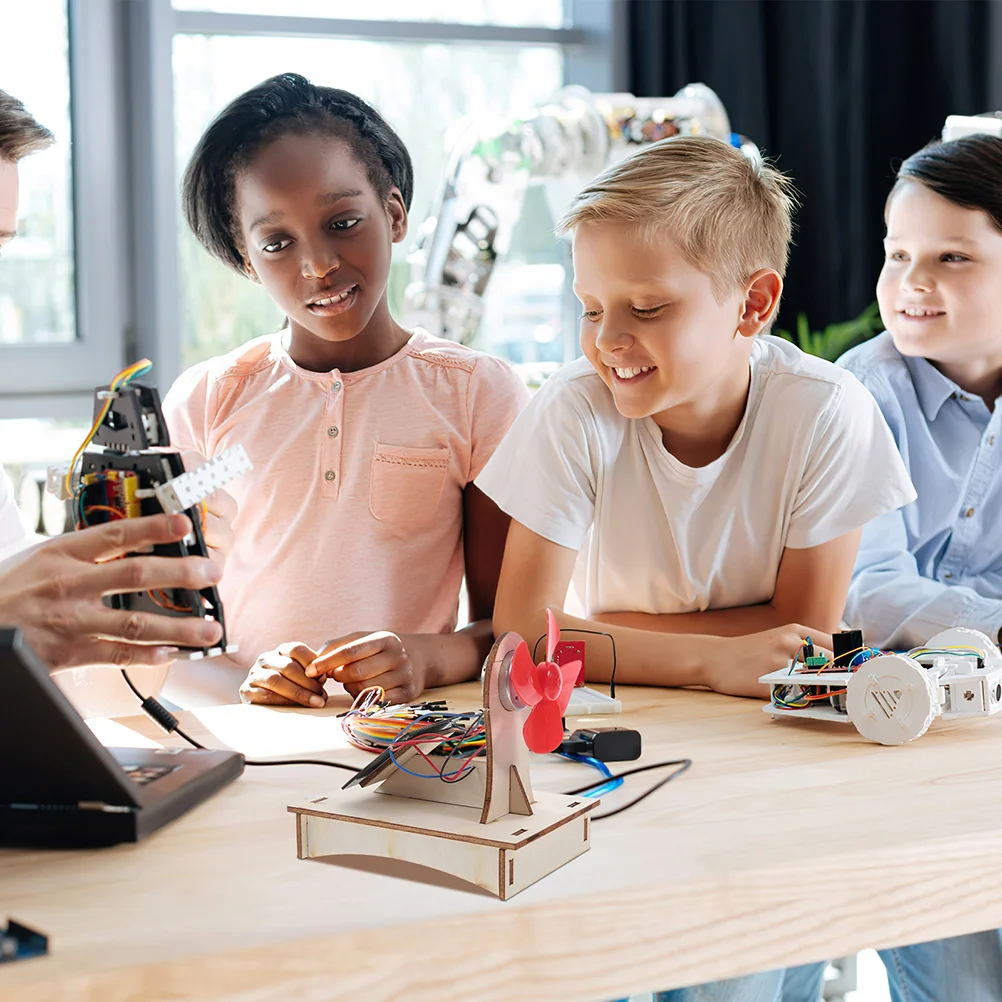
(835, 339)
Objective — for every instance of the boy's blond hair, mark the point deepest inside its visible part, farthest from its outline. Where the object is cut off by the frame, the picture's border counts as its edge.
(729, 214)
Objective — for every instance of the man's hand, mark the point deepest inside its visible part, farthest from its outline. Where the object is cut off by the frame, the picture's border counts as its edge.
(740, 662)
(53, 593)
(220, 510)
(278, 678)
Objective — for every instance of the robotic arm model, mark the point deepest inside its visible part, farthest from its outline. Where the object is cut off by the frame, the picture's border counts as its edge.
(564, 144)
(126, 468)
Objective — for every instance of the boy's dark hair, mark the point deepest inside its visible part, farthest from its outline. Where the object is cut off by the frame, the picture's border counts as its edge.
(967, 172)
(20, 134)
(283, 105)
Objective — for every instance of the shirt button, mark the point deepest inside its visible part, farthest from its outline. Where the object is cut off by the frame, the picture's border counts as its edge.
(991, 441)
(329, 475)
(337, 385)
(332, 431)
(968, 513)
(947, 574)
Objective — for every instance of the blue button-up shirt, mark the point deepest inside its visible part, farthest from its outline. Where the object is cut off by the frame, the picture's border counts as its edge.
(937, 562)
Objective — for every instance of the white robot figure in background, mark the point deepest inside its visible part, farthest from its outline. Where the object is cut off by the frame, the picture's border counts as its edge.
(563, 145)
(893, 698)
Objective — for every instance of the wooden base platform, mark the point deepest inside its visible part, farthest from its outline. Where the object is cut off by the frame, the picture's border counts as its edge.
(503, 856)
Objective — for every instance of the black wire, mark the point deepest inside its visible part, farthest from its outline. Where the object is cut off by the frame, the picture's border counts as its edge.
(190, 741)
(168, 722)
(478, 718)
(139, 695)
(304, 761)
(594, 633)
(682, 763)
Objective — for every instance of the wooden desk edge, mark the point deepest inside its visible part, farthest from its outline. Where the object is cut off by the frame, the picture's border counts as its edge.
(601, 947)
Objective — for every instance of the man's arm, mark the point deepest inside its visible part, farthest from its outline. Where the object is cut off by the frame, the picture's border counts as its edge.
(810, 588)
(53, 594)
(895, 606)
(535, 576)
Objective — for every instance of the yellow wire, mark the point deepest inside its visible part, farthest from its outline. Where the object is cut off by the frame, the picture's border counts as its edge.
(125, 375)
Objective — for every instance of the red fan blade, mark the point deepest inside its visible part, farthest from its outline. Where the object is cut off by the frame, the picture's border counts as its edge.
(552, 635)
(570, 677)
(544, 730)
(521, 674)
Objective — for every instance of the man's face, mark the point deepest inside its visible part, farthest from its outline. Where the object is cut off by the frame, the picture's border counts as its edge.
(651, 325)
(8, 201)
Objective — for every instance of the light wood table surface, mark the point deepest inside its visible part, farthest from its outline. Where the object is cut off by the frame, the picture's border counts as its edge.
(786, 842)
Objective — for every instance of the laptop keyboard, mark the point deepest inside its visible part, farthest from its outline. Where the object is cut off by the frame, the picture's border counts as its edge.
(143, 774)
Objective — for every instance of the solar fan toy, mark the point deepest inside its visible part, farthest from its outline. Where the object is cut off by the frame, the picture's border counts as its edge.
(487, 827)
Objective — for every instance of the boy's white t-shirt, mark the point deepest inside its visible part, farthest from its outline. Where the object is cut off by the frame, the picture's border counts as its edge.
(811, 460)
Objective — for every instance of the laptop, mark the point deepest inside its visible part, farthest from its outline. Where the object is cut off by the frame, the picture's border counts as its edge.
(59, 786)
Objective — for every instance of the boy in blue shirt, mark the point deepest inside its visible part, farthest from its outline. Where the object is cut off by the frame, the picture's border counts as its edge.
(936, 373)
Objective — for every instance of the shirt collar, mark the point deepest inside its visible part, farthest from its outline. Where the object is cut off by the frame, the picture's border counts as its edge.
(932, 388)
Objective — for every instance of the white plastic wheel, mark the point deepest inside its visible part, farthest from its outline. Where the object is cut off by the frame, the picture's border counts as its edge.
(891, 699)
(961, 636)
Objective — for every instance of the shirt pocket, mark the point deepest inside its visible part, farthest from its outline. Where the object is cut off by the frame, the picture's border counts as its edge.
(406, 484)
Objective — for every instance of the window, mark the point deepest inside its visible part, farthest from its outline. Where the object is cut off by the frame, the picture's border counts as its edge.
(64, 297)
(37, 302)
(548, 13)
(104, 270)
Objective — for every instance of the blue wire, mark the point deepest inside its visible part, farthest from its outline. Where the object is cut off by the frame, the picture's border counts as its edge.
(427, 775)
(865, 655)
(420, 775)
(614, 781)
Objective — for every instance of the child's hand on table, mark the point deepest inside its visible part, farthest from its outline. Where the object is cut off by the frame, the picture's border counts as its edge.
(279, 678)
(361, 660)
(293, 674)
(736, 670)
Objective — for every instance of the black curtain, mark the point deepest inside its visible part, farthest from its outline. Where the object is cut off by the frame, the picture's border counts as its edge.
(838, 92)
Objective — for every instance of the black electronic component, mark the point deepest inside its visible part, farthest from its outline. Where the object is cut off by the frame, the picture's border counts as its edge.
(131, 440)
(18, 942)
(808, 649)
(607, 744)
(845, 646)
(134, 421)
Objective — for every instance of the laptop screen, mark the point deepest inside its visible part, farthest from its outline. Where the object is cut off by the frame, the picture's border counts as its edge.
(48, 755)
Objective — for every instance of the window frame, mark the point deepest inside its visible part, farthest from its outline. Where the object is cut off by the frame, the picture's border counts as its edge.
(122, 113)
(57, 380)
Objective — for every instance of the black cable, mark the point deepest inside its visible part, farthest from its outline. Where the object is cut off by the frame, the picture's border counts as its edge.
(682, 763)
(190, 741)
(478, 718)
(595, 633)
(305, 761)
(158, 712)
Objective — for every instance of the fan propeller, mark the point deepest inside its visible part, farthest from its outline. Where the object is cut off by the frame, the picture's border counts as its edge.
(545, 687)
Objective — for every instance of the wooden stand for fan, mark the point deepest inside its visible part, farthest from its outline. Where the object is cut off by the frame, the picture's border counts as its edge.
(487, 828)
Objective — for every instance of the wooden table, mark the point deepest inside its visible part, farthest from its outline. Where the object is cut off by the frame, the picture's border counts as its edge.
(786, 842)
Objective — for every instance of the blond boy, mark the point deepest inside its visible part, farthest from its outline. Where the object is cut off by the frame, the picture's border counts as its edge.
(712, 480)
